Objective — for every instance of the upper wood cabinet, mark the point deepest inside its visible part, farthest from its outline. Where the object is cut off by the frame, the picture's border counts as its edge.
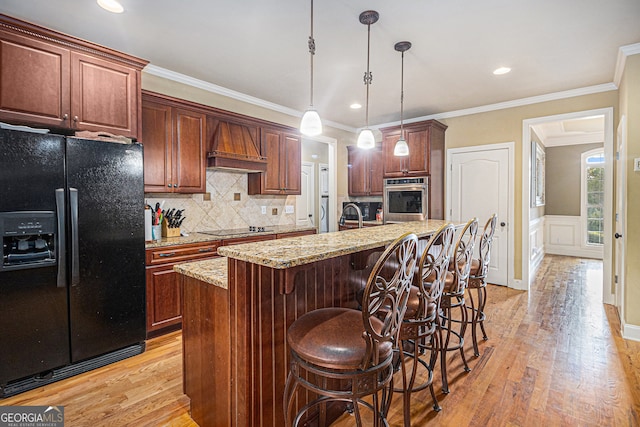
(426, 147)
(173, 136)
(282, 148)
(365, 171)
(53, 80)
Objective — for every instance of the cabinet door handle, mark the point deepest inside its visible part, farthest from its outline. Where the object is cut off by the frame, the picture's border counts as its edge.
(206, 250)
(166, 254)
(175, 185)
(169, 185)
(65, 117)
(75, 119)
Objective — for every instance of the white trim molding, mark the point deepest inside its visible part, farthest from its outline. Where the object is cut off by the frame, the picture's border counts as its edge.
(536, 245)
(564, 236)
(623, 52)
(219, 90)
(630, 332)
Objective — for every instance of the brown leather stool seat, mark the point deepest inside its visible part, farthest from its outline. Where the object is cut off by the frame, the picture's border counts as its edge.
(332, 338)
(344, 355)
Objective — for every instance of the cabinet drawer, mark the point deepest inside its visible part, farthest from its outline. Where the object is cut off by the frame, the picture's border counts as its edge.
(241, 240)
(179, 253)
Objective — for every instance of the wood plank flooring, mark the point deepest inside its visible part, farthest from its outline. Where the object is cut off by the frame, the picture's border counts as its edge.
(554, 357)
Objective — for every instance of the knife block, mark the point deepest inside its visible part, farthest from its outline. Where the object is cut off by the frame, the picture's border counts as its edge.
(169, 232)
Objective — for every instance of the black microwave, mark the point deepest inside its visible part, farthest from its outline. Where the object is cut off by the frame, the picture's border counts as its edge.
(368, 210)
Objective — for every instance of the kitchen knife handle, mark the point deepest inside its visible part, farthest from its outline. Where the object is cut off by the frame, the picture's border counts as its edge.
(62, 241)
(75, 257)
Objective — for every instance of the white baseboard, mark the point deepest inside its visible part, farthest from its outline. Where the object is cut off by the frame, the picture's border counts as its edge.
(573, 251)
(630, 332)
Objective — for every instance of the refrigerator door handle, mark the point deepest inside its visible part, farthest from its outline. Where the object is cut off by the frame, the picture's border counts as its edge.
(75, 256)
(62, 242)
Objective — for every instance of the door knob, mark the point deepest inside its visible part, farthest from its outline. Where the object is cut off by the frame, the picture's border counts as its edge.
(617, 235)
(502, 224)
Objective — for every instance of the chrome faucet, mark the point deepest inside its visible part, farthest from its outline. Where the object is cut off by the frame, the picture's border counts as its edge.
(358, 211)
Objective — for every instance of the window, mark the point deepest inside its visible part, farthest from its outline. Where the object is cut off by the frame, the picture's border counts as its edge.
(593, 196)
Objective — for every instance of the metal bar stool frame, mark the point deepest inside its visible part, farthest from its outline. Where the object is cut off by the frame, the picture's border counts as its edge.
(384, 304)
(452, 298)
(477, 281)
(421, 317)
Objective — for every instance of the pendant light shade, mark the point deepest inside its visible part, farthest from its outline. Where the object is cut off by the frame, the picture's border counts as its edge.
(366, 139)
(310, 125)
(401, 148)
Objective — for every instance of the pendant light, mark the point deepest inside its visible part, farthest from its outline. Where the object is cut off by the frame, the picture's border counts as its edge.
(366, 139)
(401, 149)
(310, 125)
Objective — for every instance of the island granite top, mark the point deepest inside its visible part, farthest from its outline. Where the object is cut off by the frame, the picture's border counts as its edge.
(294, 251)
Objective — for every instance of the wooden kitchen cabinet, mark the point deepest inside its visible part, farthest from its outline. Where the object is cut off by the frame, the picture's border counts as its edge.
(426, 149)
(164, 292)
(365, 171)
(282, 148)
(173, 136)
(52, 80)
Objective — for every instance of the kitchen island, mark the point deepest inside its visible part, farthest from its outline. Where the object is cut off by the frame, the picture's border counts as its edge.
(234, 337)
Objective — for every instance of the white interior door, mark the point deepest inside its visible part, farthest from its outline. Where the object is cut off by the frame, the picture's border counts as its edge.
(480, 187)
(305, 202)
(621, 211)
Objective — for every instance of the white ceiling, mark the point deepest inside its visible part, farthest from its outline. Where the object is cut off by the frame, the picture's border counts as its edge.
(259, 48)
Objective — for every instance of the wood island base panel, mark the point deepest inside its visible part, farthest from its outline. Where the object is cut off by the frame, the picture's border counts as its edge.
(234, 340)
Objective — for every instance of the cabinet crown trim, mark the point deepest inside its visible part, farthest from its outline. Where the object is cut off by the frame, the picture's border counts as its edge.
(50, 36)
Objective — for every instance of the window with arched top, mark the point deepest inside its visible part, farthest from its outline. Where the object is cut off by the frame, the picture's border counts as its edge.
(592, 209)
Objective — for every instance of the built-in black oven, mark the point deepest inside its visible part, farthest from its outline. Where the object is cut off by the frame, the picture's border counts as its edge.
(406, 199)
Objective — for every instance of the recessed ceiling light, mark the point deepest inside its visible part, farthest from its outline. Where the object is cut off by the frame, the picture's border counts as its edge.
(355, 106)
(111, 6)
(501, 70)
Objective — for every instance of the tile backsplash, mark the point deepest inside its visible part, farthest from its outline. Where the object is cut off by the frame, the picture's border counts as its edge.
(223, 211)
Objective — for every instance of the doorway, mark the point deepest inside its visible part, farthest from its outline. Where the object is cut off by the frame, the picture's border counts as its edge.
(621, 215)
(527, 223)
(319, 158)
(481, 180)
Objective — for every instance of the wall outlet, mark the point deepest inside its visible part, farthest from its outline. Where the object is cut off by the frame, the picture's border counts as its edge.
(236, 196)
(636, 164)
(263, 210)
(206, 197)
(288, 209)
(274, 211)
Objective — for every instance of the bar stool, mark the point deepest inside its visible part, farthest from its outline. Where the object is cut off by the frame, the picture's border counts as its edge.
(421, 317)
(342, 354)
(453, 297)
(477, 281)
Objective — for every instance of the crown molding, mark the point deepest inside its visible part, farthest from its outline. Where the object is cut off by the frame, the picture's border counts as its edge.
(623, 52)
(219, 90)
(605, 87)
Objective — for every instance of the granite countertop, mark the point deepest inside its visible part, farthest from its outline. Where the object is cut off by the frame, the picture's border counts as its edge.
(200, 237)
(212, 270)
(301, 250)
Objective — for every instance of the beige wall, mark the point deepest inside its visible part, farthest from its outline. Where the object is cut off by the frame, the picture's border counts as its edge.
(630, 107)
(506, 126)
(563, 174)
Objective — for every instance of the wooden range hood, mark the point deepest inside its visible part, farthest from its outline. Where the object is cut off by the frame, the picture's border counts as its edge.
(234, 146)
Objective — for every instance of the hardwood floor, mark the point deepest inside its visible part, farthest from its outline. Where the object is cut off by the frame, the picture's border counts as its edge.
(554, 357)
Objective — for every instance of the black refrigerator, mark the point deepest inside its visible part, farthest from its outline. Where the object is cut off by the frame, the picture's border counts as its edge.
(72, 270)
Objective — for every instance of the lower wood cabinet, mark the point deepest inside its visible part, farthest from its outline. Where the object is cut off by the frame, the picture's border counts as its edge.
(164, 294)
(164, 291)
